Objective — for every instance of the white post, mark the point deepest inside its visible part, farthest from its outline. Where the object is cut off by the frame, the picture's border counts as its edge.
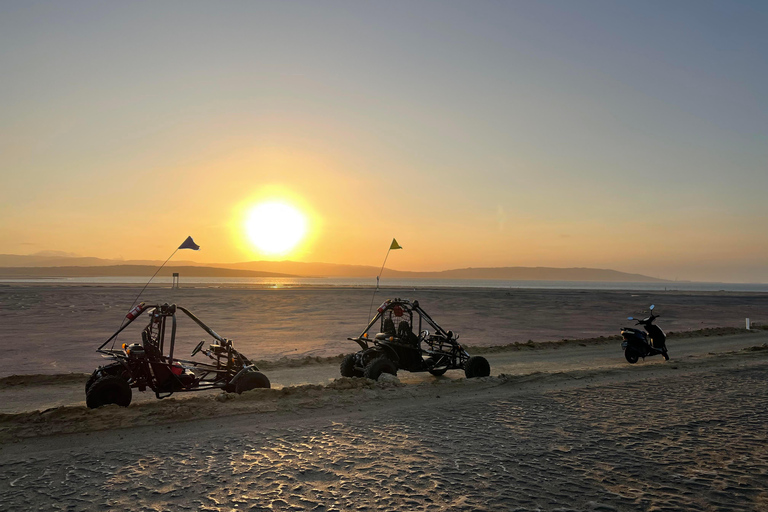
(747, 323)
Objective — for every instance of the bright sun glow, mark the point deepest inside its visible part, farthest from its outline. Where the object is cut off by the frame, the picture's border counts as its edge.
(275, 227)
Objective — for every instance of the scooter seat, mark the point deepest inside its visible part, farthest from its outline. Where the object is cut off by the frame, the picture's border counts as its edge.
(633, 331)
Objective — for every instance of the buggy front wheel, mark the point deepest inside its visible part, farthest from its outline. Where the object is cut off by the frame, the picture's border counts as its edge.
(378, 366)
(347, 367)
(477, 366)
(251, 380)
(111, 369)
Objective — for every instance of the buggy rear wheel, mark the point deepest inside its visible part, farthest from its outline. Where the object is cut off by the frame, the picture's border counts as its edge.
(438, 373)
(378, 366)
(630, 356)
(347, 367)
(251, 380)
(477, 366)
(109, 389)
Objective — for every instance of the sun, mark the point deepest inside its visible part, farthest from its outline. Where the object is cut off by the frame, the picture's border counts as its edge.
(275, 227)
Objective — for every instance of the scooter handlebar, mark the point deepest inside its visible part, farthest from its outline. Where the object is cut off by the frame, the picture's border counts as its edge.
(647, 321)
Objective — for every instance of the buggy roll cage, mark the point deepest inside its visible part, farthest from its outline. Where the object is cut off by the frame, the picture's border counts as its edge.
(167, 310)
(441, 346)
(159, 315)
(409, 307)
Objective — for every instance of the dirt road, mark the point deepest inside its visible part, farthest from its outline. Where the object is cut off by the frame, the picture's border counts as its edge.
(577, 440)
(70, 391)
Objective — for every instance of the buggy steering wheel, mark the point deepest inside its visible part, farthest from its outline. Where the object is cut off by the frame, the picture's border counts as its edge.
(197, 348)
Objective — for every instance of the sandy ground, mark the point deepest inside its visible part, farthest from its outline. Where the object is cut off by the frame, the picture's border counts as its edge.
(689, 435)
(557, 427)
(50, 329)
(69, 390)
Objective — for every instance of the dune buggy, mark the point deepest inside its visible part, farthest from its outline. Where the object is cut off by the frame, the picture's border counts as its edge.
(398, 347)
(151, 363)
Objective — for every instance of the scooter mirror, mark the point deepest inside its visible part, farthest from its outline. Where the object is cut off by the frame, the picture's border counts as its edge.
(630, 318)
(652, 306)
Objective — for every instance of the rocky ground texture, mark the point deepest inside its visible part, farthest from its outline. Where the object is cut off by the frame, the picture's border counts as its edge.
(672, 440)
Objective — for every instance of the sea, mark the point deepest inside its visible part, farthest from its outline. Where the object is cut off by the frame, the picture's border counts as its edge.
(358, 282)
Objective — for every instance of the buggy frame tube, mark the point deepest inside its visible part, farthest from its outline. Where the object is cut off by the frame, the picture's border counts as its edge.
(359, 339)
(370, 324)
(161, 335)
(173, 338)
(201, 324)
(431, 322)
(121, 330)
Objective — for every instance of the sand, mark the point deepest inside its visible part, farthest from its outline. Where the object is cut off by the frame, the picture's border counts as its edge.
(557, 426)
(690, 435)
(41, 392)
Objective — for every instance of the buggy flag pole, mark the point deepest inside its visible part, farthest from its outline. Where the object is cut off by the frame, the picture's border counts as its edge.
(186, 244)
(393, 246)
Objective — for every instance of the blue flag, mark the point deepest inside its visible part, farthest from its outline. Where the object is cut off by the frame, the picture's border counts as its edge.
(189, 244)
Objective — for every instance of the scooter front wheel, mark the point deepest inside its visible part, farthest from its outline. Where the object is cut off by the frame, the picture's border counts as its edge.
(630, 356)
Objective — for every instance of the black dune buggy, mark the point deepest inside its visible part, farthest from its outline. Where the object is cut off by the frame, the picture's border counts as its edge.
(398, 347)
(151, 363)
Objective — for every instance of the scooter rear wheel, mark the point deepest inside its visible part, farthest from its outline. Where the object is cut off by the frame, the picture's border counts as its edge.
(630, 356)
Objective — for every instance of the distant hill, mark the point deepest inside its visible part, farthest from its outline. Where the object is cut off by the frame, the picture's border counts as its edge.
(130, 271)
(506, 273)
(56, 265)
(51, 259)
(545, 274)
(314, 269)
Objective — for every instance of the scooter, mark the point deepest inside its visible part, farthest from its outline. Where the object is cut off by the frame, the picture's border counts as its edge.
(636, 342)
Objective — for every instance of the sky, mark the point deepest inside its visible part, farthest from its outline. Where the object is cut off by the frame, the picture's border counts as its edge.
(607, 134)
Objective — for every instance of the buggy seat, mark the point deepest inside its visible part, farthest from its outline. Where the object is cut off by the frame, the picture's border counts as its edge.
(388, 330)
(405, 334)
(166, 375)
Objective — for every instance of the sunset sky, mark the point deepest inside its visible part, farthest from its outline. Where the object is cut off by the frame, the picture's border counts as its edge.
(609, 134)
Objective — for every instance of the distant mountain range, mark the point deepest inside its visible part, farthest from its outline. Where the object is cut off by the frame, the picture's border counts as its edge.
(58, 265)
(131, 271)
